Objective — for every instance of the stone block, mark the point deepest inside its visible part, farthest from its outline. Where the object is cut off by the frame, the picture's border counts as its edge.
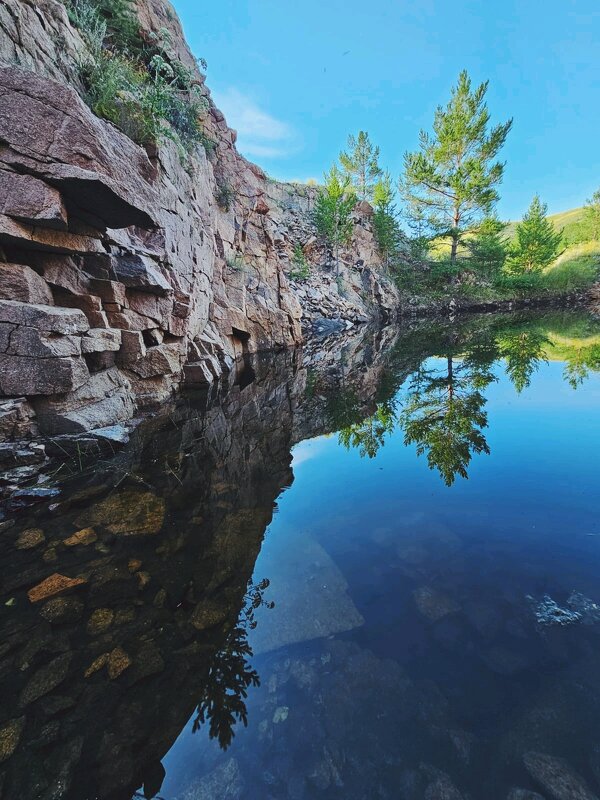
(99, 340)
(44, 318)
(41, 376)
(109, 291)
(20, 282)
(161, 360)
(30, 342)
(17, 419)
(138, 272)
(29, 199)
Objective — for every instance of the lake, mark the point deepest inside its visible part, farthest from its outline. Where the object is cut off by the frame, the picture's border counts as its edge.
(369, 569)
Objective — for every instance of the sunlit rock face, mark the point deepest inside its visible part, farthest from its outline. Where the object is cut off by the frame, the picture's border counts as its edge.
(124, 589)
(123, 255)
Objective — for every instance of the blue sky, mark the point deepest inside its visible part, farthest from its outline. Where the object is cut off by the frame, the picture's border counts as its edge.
(295, 78)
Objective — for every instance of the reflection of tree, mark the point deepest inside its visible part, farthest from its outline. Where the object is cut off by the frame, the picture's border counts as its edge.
(223, 701)
(579, 363)
(443, 414)
(343, 407)
(369, 435)
(524, 352)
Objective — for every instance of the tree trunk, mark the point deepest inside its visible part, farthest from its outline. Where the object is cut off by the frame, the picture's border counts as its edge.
(450, 378)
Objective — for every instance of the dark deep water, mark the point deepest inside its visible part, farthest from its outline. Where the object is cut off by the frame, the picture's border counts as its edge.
(413, 502)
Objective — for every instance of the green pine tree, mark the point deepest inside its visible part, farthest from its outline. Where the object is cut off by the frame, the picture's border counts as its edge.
(453, 176)
(333, 206)
(488, 246)
(592, 215)
(385, 221)
(361, 164)
(537, 242)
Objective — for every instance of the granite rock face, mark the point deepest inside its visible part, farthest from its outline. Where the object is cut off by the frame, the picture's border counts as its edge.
(100, 234)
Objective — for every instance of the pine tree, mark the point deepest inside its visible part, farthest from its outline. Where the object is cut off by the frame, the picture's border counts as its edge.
(361, 164)
(385, 222)
(537, 243)
(592, 214)
(488, 246)
(453, 176)
(333, 207)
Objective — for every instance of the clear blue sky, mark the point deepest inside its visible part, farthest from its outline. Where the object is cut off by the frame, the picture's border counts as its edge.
(295, 78)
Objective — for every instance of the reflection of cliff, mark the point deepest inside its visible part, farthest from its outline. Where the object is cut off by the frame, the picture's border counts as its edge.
(117, 598)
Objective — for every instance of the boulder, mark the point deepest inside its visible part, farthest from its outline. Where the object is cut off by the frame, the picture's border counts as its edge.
(19, 282)
(557, 777)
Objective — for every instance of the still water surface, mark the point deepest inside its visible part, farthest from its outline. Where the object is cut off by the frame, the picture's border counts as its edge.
(419, 620)
(403, 658)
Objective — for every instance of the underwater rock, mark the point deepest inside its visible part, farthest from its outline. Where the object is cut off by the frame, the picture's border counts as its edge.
(586, 608)
(523, 794)
(46, 679)
(30, 538)
(129, 513)
(434, 605)
(556, 777)
(62, 610)
(548, 612)
(53, 585)
(310, 594)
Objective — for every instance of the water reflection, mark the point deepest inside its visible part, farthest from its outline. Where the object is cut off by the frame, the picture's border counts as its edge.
(440, 408)
(128, 607)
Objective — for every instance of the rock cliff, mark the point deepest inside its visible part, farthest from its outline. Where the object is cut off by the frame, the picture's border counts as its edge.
(123, 273)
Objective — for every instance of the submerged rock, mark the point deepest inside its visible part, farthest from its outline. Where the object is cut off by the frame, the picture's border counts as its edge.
(557, 778)
(523, 794)
(548, 612)
(434, 605)
(586, 608)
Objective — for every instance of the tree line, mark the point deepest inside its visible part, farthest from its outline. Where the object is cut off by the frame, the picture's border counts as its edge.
(448, 190)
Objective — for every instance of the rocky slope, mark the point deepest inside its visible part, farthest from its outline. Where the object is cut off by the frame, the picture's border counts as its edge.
(121, 276)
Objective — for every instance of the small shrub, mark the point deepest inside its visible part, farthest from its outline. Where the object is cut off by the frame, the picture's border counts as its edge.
(235, 263)
(225, 195)
(300, 267)
(140, 87)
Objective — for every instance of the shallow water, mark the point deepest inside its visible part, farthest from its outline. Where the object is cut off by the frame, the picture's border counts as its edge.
(328, 582)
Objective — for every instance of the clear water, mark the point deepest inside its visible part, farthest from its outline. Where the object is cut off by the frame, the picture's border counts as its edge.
(445, 481)
(402, 644)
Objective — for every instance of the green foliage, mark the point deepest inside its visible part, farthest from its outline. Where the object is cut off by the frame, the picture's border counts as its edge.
(225, 195)
(333, 207)
(235, 263)
(487, 247)
(537, 242)
(140, 87)
(361, 164)
(592, 214)
(523, 351)
(385, 220)
(451, 180)
(369, 434)
(444, 414)
(300, 267)
(225, 690)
